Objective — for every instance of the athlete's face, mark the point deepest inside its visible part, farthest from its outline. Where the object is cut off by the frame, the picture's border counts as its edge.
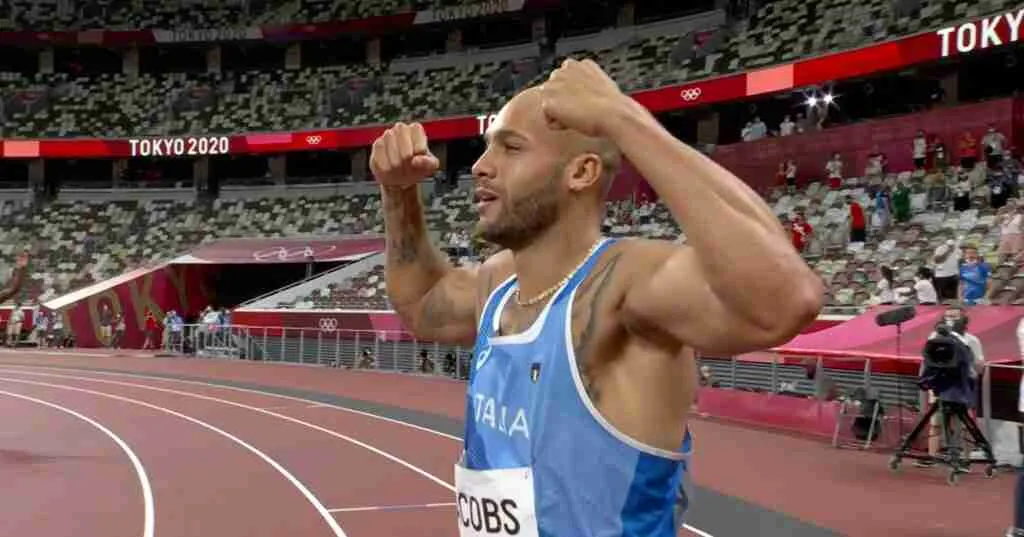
(521, 191)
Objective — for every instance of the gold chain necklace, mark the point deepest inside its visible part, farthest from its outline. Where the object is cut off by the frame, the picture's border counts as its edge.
(551, 290)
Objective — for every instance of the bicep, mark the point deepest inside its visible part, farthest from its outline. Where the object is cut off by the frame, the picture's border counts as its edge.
(687, 310)
(448, 312)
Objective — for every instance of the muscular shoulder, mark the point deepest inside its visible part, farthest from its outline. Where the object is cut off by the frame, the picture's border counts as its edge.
(492, 272)
(641, 257)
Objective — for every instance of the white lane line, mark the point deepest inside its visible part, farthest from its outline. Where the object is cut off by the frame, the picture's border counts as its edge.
(240, 390)
(148, 518)
(330, 520)
(346, 438)
(409, 507)
(19, 368)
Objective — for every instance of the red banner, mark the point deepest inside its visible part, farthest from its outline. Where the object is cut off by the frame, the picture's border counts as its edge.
(990, 32)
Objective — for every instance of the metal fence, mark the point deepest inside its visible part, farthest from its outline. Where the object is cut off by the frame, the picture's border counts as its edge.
(353, 349)
(824, 377)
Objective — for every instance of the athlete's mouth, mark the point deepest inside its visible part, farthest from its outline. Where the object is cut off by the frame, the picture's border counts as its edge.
(482, 198)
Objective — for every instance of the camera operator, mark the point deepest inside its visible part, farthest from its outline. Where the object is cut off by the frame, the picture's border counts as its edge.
(959, 388)
(1018, 509)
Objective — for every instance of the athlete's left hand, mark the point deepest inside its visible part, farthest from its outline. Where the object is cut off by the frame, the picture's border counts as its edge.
(580, 96)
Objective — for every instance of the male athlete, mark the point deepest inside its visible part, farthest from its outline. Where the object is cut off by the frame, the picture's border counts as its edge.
(584, 369)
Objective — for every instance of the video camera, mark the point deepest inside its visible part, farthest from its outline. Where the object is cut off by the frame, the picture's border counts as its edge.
(947, 366)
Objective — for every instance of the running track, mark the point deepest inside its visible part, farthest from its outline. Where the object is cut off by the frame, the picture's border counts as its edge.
(105, 445)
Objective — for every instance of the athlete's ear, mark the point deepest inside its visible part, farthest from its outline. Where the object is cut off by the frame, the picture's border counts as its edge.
(585, 171)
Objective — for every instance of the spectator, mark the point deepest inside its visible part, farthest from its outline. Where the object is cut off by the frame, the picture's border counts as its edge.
(968, 150)
(1011, 230)
(924, 289)
(937, 190)
(747, 134)
(41, 326)
(802, 231)
(884, 287)
(758, 129)
(901, 202)
(874, 170)
(962, 193)
(940, 158)
(119, 330)
(791, 175)
(920, 151)
(881, 213)
(106, 325)
(975, 277)
(14, 326)
(834, 169)
(1000, 187)
(787, 127)
(149, 331)
(858, 224)
(993, 144)
(946, 270)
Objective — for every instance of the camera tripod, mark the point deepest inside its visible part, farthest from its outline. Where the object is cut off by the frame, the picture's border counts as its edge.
(950, 453)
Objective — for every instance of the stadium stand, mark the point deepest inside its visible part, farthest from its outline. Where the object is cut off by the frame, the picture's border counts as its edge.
(461, 83)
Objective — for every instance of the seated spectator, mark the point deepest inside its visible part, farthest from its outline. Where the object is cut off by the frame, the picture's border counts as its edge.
(884, 287)
(924, 289)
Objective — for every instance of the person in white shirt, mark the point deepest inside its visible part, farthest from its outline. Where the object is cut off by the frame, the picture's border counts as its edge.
(924, 288)
(920, 150)
(758, 129)
(947, 270)
(787, 127)
(993, 143)
(884, 286)
(834, 169)
(747, 134)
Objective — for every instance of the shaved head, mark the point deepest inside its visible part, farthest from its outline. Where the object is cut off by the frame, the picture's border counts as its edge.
(540, 174)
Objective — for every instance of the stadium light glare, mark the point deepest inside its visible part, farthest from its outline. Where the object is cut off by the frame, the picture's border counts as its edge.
(811, 101)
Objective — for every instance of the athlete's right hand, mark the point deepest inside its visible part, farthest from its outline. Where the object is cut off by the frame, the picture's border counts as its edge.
(401, 157)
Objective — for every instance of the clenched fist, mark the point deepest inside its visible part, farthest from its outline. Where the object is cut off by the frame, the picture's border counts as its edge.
(401, 157)
(581, 97)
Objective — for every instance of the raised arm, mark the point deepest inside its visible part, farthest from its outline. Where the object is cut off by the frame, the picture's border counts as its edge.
(739, 285)
(435, 300)
(17, 278)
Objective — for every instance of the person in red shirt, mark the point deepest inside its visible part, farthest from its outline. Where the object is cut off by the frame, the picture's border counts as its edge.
(968, 151)
(858, 224)
(149, 331)
(802, 231)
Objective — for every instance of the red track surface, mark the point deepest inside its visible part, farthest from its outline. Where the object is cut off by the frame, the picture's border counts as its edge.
(203, 480)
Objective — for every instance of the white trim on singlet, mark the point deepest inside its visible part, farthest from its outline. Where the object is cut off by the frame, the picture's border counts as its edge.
(581, 391)
(494, 292)
(530, 334)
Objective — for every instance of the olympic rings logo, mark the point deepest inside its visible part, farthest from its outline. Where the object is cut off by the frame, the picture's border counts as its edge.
(690, 94)
(328, 324)
(314, 140)
(282, 253)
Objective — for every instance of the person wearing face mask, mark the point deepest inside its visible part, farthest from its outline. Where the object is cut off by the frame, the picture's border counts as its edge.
(975, 278)
(956, 320)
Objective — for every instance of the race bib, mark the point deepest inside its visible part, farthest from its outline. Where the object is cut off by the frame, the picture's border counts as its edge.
(495, 502)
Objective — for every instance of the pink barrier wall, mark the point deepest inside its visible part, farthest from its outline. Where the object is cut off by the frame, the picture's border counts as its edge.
(179, 287)
(757, 162)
